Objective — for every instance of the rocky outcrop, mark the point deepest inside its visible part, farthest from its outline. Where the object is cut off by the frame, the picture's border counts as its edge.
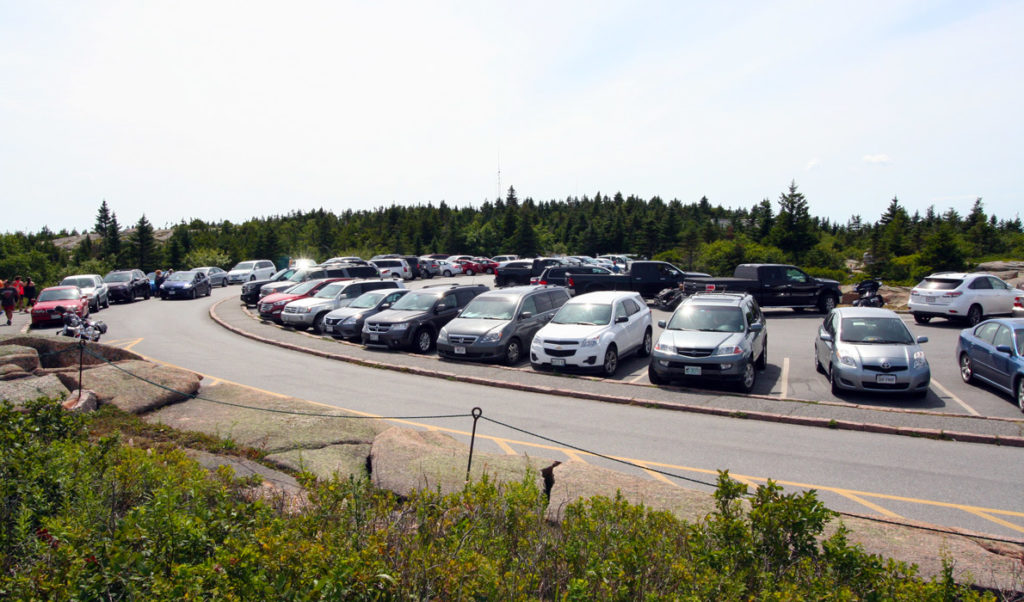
(22, 356)
(62, 352)
(135, 386)
(23, 390)
(81, 401)
(341, 460)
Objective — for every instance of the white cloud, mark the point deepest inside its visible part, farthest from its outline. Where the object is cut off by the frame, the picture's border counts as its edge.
(879, 159)
(812, 164)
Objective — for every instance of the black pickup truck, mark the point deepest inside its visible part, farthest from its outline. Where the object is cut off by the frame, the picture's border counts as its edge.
(645, 277)
(773, 285)
(520, 271)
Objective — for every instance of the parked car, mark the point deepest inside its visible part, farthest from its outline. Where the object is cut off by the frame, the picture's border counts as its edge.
(311, 311)
(415, 319)
(429, 267)
(395, 267)
(772, 285)
(993, 353)
(559, 274)
(489, 265)
(93, 287)
(254, 269)
(448, 268)
(470, 266)
(500, 324)
(504, 258)
(519, 272)
(251, 290)
(271, 306)
(870, 349)
(50, 298)
(127, 285)
(187, 284)
(347, 322)
(721, 337)
(334, 270)
(967, 297)
(217, 276)
(349, 259)
(593, 332)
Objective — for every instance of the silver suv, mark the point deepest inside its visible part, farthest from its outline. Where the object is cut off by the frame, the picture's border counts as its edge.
(712, 336)
(499, 325)
(311, 311)
(92, 286)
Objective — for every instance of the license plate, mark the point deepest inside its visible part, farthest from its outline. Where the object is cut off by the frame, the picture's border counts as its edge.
(886, 379)
(328, 328)
(557, 361)
(460, 350)
(691, 370)
(54, 316)
(374, 337)
(929, 299)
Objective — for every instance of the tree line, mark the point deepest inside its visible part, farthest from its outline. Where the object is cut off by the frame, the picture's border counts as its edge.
(897, 246)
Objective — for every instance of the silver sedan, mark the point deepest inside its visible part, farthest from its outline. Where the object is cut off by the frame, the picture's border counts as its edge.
(870, 349)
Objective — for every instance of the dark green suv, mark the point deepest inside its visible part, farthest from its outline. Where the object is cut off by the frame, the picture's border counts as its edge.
(414, 320)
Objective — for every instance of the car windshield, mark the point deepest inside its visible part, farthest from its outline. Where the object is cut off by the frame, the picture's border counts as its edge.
(494, 308)
(416, 301)
(245, 265)
(118, 277)
(61, 294)
(707, 318)
(890, 331)
(80, 282)
(283, 274)
(370, 299)
(303, 287)
(940, 284)
(298, 275)
(181, 276)
(329, 291)
(592, 314)
(1018, 336)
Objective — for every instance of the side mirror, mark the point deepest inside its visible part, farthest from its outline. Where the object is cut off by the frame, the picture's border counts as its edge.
(661, 323)
(1004, 349)
(824, 336)
(621, 319)
(525, 315)
(922, 340)
(440, 308)
(756, 327)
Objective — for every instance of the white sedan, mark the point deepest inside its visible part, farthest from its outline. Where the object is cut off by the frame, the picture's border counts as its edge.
(592, 331)
(449, 268)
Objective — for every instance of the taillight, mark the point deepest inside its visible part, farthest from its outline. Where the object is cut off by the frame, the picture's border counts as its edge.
(569, 281)
(543, 282)
(709, 287)
(953, 294)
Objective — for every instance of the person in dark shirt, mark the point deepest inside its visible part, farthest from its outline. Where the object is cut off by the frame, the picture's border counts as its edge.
(8, 297)
(30, 294)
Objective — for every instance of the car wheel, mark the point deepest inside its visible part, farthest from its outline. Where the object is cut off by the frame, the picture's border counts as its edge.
(833, 380)
(749, 378)
(1020, 393)
(209, 290)
(224, 283)
(94, 307)
(611, 361)
(922, 319)
(490, 270)
(827, 303)
(645, 346)
(251, 278)
(974, 315)
(423, 341)
(966, 368)
(653, 376)
(448, 273)
(513, 352)
(817, 362)
(106, 302)
(318, 323)
(146, 294)
(762, 360)
(469, 272)
(193, 294)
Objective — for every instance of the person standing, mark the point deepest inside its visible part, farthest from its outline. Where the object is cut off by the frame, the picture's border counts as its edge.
(30, 294)
(8, 297)
(20, 287)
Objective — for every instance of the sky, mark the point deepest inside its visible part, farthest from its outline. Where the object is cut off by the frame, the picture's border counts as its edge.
(229, 110)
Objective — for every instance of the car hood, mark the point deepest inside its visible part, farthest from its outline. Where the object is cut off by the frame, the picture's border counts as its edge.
(570, 331)
(314, 302)
(238, 272)
(278, 286)
(477, 326)
(878, 354)
(117, 284)
(175, 284)
(392, 316)
(696, 339)
(49, 305)
(275, 297)
(827, 281)
(345, 312)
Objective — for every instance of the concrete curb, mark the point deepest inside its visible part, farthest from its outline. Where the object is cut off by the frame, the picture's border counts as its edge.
(651, 403)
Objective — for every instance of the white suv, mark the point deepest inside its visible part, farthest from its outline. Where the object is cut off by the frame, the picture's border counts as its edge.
(956, 295)
(254, 269)
(593, 331)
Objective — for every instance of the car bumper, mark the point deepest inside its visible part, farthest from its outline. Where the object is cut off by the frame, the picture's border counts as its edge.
(176, 293)
(341, 329)
(712, 369)
(120, 294)
(297, 319)
(852, 378)
(474, 351)
(584, 358)
(270, 313)
(250, 298)
(935, 310)
(391, 340)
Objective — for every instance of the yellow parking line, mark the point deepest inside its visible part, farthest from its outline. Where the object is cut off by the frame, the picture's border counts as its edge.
(950, 395)
(574, 455)
(639, 377)
(785, 379)
(997, 521)
(873, 506)
(658, 476)
(505, 447)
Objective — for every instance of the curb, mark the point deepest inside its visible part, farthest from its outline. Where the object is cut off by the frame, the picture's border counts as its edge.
(846, 425)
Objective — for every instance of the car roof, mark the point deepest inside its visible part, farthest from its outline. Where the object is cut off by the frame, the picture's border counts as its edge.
(58, 288)
(603, 297)
(1014, 323)
(518, 291)
(732, 299)
(865, 312)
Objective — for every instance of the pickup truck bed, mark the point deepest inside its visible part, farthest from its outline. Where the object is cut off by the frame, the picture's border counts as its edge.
(773, 285)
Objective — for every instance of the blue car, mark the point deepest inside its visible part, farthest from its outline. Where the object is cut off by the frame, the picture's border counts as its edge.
(993, 352)
(185, 285)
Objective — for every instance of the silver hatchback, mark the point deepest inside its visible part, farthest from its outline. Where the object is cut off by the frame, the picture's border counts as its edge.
(871, 349)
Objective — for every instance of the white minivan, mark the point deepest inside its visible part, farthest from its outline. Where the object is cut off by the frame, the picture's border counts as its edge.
(253, 269)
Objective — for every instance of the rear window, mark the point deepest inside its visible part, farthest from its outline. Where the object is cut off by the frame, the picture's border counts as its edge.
(362, 271)
(81, 282)
(940, 284)
(245, 265)
(384, 263)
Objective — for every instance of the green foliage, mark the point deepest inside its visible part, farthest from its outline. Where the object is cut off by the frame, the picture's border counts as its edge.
(205, 256)
(85, 518)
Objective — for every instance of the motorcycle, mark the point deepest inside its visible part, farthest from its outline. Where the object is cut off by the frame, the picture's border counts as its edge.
(869, 296)
(669, 298)
(80, 328)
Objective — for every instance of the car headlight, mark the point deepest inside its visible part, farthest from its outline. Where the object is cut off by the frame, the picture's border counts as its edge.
(920, 361)
(305, 310)
(352, 319)
(442, 337)
(591, 341)
(278, 303)
(728, 350)
(400, 326)
(187, 285)
(492, 337)
(847, 358)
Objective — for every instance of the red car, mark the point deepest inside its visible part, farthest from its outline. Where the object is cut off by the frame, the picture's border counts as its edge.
(489, 265)
(71, 297)
(270, 307)
(470, 267)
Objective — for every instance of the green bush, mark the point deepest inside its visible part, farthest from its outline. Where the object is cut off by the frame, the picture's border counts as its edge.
(98, 519)
(206, 256)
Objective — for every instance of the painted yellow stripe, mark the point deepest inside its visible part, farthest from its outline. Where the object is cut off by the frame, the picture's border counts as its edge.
(505, 447)
(574, 455)
(658, 476)
(996, 520)
(871, 505)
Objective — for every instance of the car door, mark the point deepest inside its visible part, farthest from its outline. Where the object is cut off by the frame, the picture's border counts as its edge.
(1002, 364)
(1003, 296)
(444, 310)
(802, 287)
(529, 319)
(824, 348)
(981, 352)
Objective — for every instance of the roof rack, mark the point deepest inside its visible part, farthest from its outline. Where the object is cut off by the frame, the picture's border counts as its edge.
(719, 294)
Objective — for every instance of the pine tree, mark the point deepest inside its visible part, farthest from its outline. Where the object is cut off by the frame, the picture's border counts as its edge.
(142, 245)
(793, 231)
(112, 239)
(103, 219)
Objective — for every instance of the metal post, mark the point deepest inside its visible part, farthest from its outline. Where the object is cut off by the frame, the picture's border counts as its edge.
(81, 361)
(477, 412)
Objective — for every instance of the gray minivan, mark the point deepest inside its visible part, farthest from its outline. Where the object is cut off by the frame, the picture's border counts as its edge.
(499, 325)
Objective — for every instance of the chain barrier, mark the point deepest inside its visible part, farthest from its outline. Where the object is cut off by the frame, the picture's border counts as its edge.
(477, 414)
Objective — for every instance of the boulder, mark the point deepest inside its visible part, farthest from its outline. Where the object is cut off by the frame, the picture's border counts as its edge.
(343, 460)
(274, 423)
(404, 460)
(1001, 266)
(23, 390)
(26, 358)
(575, 480)
(80, 401)
(135, 386)
(274, 487)
(61, 352)
(12, 371)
